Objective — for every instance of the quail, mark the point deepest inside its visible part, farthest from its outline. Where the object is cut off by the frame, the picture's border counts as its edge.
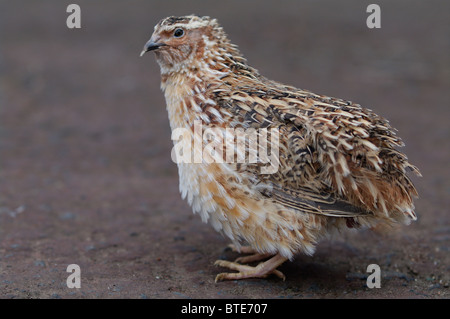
(334, 164)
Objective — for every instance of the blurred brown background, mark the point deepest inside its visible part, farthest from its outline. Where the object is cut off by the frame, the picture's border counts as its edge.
(85, 170)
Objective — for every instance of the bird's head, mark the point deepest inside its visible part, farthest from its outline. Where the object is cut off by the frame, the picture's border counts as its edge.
(184, 42)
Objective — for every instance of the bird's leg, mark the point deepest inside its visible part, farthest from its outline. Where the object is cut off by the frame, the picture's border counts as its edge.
(262, 270)
(252, 258)
(255, 256)
(242, 249)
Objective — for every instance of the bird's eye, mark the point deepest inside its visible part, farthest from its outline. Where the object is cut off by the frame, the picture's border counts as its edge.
(178, 33)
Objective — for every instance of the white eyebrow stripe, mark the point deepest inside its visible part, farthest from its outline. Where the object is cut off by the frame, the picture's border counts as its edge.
(187, 26)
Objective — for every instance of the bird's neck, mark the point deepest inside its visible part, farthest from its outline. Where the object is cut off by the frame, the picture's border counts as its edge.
(187, 86)
(187, 82)
(195, 75)
(183, 87)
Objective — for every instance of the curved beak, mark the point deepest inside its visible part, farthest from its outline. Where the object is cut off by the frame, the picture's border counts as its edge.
(150, 46)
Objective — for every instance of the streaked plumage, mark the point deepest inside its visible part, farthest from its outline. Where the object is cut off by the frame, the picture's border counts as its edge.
(338, 162)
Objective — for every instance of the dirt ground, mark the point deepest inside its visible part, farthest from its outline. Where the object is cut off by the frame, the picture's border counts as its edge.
(85, 171)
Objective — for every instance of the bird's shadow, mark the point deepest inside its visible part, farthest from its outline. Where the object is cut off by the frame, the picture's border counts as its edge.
(307, 274)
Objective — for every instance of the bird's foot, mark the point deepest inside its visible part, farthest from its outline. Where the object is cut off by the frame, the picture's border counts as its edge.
(262, 270)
